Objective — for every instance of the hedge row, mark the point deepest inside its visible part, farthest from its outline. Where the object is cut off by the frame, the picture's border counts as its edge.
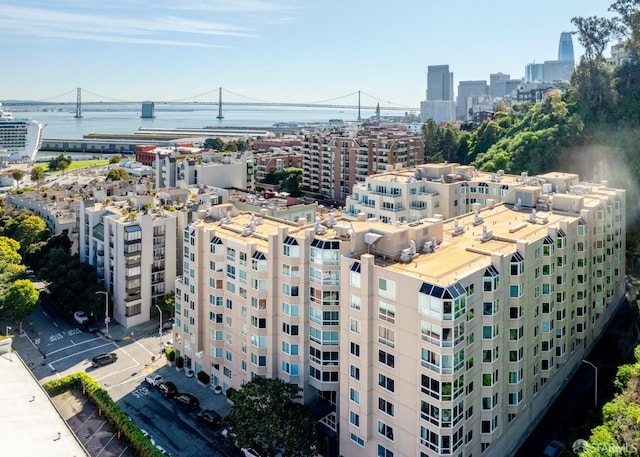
(110, 409)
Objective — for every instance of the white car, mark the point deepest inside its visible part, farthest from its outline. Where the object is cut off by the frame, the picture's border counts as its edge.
(154, 379)
(81, 317)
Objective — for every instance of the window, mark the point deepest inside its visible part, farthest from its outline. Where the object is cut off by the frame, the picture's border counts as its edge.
(387, 312)
(386, 358)
(356, 439)
(384, 452)
(290, 329)
(354, 372)
(386, 382)
(354, 418)
(354, 395)
(386, 336)
(387, 288)
(289, 309)
(386, 406)
(490, 308)
(354, 325)
(515, 398)
(355, 349)
(385, 430)
(354, 302)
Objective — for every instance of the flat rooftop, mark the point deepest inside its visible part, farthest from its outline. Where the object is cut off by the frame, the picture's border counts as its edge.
(30, 424)
(459, 255)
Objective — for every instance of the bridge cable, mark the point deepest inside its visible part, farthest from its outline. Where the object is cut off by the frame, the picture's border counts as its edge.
(386, 101)
(56, 96)
(108, 98)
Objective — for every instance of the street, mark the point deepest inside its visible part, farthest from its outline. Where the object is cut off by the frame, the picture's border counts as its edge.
(54, 346)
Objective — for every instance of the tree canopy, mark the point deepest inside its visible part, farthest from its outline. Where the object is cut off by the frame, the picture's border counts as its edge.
(20, 300)
(117, 174)
(265, 416)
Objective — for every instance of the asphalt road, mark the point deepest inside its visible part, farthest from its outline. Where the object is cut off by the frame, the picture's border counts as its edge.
(67, 349)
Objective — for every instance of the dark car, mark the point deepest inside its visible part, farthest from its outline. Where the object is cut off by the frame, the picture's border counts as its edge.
(168, 389)
(210, 418)
(188, 401)
(104, 359)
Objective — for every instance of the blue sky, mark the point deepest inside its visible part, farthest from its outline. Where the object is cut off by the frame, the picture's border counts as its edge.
(271, 50)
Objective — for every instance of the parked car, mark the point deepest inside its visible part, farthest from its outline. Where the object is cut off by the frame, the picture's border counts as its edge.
(104, 359)
(250, 452)
(167, 324)
(210, 418)
(93, 328)
(168, 389)
(81, 317)
(154, 379)
(553, 449)
(188, 401)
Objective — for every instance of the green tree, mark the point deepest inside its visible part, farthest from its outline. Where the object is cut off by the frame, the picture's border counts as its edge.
(265, 416)
(29, 230)
(59, 163)
(214, 143)
(167, 302)
(431, 136)
(20, 300)
(115, 159)
(231, 146)
(38, 175)
(17, 175)
(117, 174)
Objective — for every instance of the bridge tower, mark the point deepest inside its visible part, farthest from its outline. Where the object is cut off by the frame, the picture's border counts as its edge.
(78, 104)
(219, 116)
(359, 118)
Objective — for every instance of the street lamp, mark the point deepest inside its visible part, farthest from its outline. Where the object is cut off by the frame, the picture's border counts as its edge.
(160, 326)
(6, 330)
(595, 385)
(106, 310)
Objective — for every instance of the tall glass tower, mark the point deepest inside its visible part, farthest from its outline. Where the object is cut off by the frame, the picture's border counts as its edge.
(565, 48)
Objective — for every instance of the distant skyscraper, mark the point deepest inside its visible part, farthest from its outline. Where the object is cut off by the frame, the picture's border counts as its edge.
(534, 72)
(439, 83)
(468, 93)
(565, 48)
(497, 84)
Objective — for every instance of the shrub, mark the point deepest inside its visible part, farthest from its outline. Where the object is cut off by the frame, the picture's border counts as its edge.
(179, 362)
(170, 354)
(203, 377)
(230, 393)
(111, 409)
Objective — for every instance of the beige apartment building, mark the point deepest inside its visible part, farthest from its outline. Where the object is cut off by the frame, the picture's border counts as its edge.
(448, 190)
(333, 163)
(133, 251)
(427, 338)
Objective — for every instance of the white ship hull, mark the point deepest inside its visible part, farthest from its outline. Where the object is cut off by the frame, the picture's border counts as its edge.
(20, 139)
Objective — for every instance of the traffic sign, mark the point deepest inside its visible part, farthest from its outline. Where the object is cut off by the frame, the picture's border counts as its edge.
(37, 341)
(107, 320)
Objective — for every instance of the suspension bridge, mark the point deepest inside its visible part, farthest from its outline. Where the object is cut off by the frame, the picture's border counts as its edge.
(63, 99)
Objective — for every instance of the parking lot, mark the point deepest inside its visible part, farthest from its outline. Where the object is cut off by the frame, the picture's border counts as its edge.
(94, 432)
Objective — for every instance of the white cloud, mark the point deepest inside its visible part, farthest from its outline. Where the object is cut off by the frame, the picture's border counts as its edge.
(136, 21)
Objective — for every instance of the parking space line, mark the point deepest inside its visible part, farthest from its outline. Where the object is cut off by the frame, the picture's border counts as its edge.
(90, 416)
(104, 421)
(105, 446)
(75, 344)
(80, 352)
(123, 451)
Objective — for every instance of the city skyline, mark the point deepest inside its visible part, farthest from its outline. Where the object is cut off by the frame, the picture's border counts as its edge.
(272, 50)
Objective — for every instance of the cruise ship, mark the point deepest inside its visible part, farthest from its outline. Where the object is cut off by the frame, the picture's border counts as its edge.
(20, 139)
